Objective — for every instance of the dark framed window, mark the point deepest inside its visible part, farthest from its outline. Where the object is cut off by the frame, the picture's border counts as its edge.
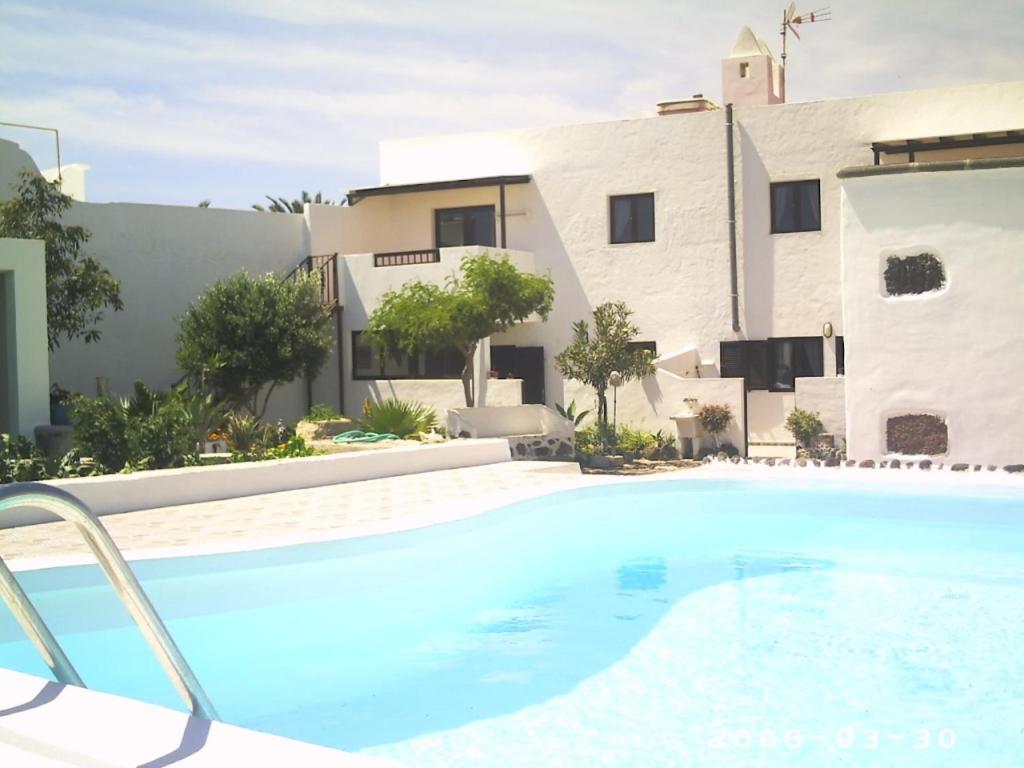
(446, 364)
(840, 356)
(790, 359)
(464, 226)
(632, 218)
(367, 364)
(796, 206)
(650, 346)
(773, 364)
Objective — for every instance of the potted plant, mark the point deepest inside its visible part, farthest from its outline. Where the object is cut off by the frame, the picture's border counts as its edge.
(60, 406)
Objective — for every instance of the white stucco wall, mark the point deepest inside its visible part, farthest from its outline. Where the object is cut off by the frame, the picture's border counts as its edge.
(678, 286)
(13, 160)
(165, 257)
(954, 353)
(827, 397)
(790, 284)
(24, 391)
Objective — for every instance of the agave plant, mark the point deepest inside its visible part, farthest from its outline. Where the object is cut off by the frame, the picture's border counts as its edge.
(570, 413)
(246, 434)
(397, 417)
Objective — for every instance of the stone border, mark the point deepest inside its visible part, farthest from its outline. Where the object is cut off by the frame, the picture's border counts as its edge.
(922, 464)
(110, 494)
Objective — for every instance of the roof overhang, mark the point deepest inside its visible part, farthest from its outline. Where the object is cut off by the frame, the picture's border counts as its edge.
(988, 139)
(355, 195)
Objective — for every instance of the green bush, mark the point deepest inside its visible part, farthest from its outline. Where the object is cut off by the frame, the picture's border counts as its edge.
(398, 417)
(634, 441)
(714, 418)
(588, 440)
(804, 425)
(246, 336)
(322, 412)
(20, 460)
(150, 430)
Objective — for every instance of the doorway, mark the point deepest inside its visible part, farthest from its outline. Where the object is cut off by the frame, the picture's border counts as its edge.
(526, 363)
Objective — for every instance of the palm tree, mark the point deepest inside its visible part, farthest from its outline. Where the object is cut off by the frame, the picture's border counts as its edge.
(283, 205)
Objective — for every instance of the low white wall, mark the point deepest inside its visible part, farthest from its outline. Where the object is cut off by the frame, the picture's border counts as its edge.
(440, 394)
(508, 421)
(24, 392)
(955, 353)
(825, 395)
(766, 416)
(111, 494)
(652, 402)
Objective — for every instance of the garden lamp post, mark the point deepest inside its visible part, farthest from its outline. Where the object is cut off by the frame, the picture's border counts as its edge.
(615, 381)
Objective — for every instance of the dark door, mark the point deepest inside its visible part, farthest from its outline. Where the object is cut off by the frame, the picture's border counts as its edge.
(529, 367)
(503, 360)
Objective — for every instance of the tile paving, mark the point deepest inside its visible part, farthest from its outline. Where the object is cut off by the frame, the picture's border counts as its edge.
(274, 519)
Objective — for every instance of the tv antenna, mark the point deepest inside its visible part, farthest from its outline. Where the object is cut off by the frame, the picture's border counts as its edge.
(790, 21)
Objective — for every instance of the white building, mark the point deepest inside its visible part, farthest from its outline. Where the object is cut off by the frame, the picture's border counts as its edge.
(796, 313)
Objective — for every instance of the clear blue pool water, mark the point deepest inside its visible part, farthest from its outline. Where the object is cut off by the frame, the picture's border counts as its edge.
(696, 623)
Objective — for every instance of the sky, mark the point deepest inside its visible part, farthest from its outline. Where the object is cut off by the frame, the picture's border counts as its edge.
(231, 100)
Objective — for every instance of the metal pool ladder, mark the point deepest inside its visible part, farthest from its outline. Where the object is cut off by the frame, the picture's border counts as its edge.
(127, 587)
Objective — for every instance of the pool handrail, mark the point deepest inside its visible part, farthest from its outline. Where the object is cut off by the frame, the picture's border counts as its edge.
(126, 585)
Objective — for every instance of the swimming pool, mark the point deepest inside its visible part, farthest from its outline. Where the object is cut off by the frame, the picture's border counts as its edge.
(694, 622)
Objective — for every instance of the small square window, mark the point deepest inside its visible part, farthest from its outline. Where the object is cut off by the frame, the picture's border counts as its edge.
(744, 69)
(632, 218)
(796, 206)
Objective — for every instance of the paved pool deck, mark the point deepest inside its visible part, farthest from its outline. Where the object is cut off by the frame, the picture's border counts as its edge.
(289, 517)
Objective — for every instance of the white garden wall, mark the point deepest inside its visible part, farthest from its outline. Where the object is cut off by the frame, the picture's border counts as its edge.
(954, 353)
(165, 257)
(24, 372)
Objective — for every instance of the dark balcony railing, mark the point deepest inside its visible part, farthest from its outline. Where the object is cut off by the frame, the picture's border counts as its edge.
(326, 268)
(406, 258)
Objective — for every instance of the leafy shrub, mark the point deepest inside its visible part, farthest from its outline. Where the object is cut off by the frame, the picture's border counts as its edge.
(588, 440)
(714, 418)
(150, 430)
(322, 412)
(78, 287)
(250, 440)
(20, 460)
(293, 447)
(398, 417)
(634, 440)
(247, 335)
(804, 425)
(570, 413)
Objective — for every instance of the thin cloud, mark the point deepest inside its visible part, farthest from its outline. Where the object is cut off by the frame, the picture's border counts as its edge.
(318, 83)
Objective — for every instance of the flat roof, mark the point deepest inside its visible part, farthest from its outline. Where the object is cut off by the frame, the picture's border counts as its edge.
(355, 195)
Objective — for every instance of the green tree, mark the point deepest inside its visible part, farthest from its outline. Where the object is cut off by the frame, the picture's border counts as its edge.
(78, 287)
(591, 359)
(284, 205)
(248, 335)
(490, 297)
